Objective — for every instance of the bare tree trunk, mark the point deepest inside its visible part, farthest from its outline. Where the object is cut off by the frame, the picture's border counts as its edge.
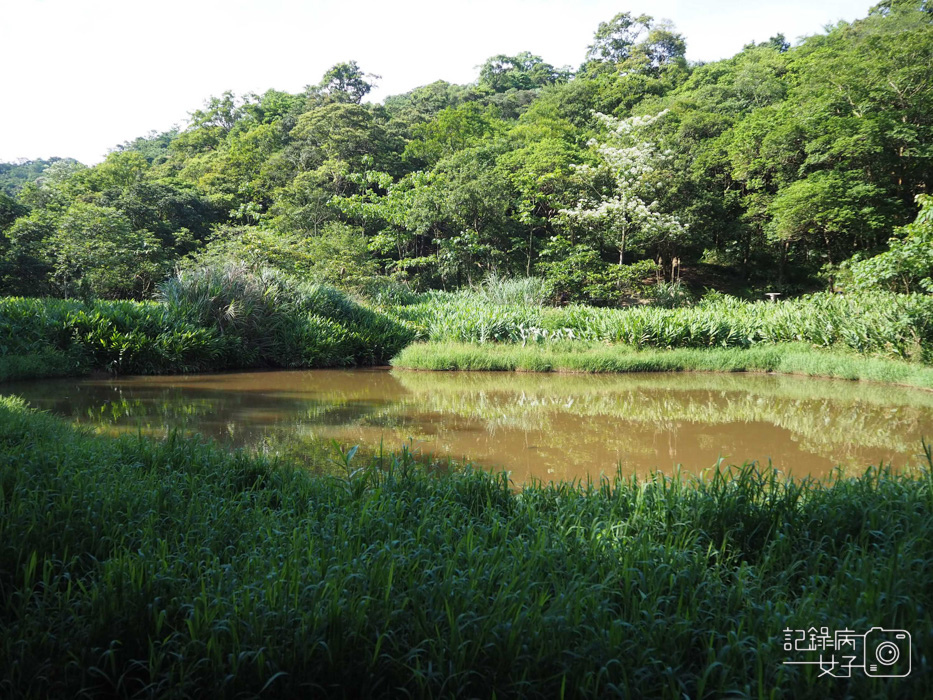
(829, 248)
(528, 264)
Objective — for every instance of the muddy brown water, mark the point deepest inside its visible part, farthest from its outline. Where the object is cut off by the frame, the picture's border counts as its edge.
(541, 426)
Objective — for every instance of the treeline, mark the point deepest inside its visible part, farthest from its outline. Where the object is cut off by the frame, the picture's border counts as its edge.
(778, 166)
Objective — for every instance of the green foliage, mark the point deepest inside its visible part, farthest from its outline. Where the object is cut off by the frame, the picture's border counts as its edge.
(231, 317)
(778, 162)
(175, 213)
(340, 132)
(870, 323)
(96, 252)
(208, 319)
(345, 82)
(340, 257)
(452, 129)
(577, 274)
(613, 40)
(670, 295)
(523, 71)
(907, 265)
(10, 211)
(154, 147)
(24, 267)
(86, 250)
(337, 255)
(825, 210)
(251, 313)
(570, 356)
(132, 567)
(269, 319)
(38, 365)
(524, 291)
(120, 337)
(305, 205)
(637, 49)
(14, 176)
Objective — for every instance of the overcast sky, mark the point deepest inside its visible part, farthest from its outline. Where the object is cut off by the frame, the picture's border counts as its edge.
(81, 76)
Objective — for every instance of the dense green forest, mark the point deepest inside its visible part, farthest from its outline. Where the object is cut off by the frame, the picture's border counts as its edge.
(788, 168)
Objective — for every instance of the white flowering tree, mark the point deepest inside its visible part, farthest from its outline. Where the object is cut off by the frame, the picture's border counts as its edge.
(620, 204)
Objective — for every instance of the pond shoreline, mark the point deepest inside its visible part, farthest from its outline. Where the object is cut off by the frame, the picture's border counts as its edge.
(793, 359)
(559, 426)
(583, 372)
(189, 559)
(784, 359)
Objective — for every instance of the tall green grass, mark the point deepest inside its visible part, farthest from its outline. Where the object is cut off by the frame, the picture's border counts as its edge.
(230, 317)
(283, 322)
(206, 319)
(887, 324)
(138, 569)
(74, 337)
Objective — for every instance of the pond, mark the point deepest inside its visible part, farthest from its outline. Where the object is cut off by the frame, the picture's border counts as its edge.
(542, 426)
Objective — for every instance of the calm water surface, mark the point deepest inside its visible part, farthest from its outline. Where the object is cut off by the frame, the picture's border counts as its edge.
(541, 426)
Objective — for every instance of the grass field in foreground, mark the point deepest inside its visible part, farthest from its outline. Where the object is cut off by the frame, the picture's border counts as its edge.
(787, 358)
(144, 569)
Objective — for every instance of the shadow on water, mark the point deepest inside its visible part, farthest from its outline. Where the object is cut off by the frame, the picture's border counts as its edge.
(542, 426)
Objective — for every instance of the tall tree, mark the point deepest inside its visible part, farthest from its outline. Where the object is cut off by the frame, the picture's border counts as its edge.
(523, 71)
(345, 82)
(619, 203)
(615, 40)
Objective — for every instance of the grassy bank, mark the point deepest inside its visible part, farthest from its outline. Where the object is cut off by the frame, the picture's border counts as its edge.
(788, 358)
(132, 568)
(206, 320)
(232, 318)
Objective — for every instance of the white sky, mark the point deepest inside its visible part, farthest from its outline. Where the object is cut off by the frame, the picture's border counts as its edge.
(81, 76)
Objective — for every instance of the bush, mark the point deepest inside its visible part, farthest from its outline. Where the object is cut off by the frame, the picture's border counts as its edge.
(208, 319)
(577, 274)
(337, 255)
(907, 265)
(670, 295)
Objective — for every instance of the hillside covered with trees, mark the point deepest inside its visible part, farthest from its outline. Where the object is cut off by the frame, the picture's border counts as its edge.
(786, 167)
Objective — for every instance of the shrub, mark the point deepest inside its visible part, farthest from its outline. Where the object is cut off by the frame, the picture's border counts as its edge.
(208, 319)
(907, 265)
